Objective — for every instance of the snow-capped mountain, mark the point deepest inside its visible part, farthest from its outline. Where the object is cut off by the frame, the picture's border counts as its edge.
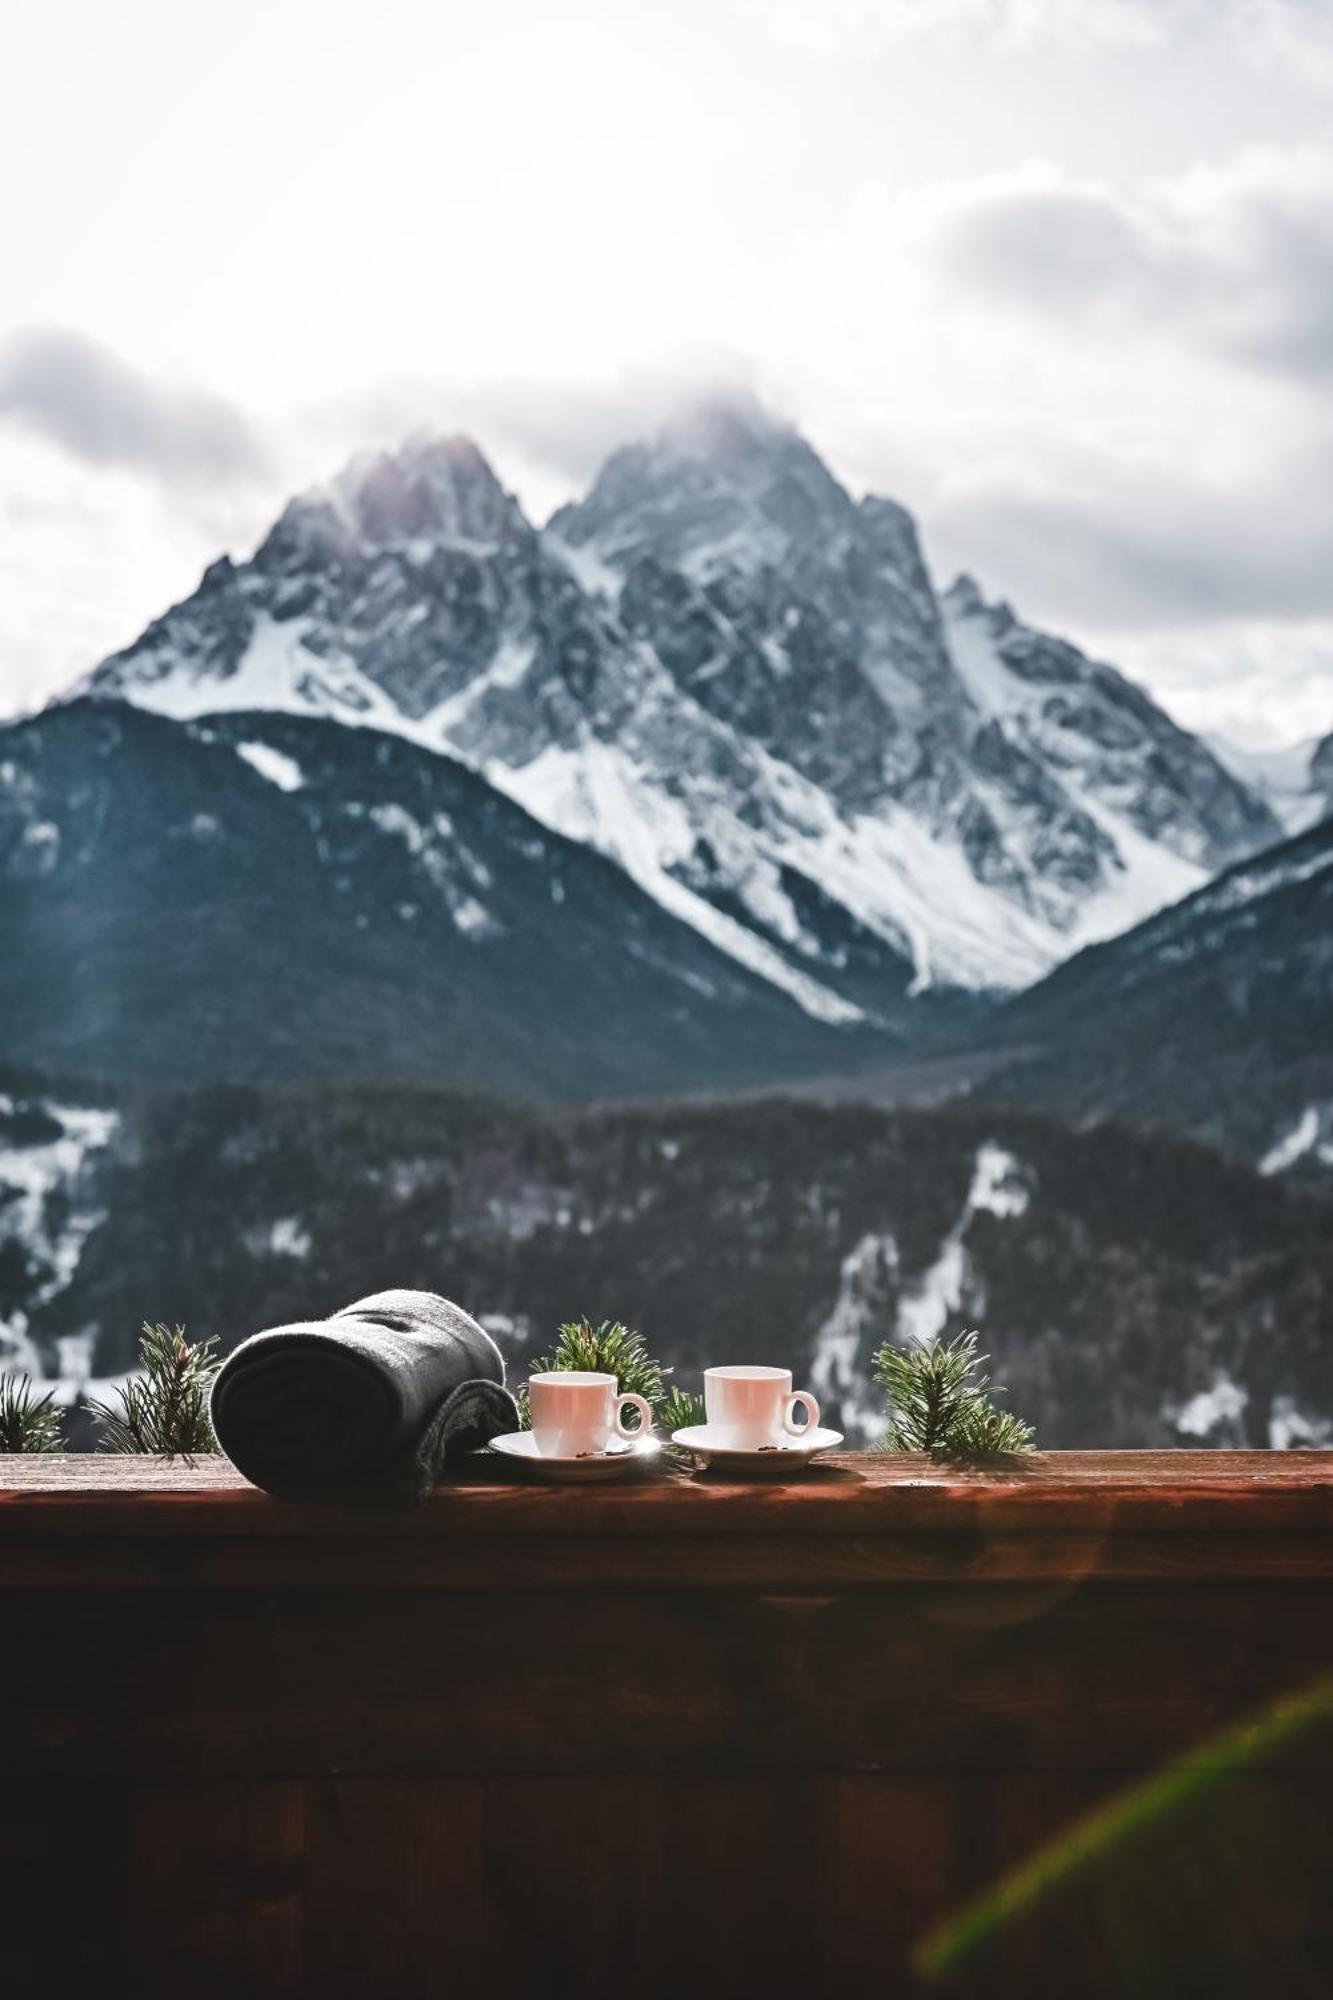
(739, 682)
(1214, 1014)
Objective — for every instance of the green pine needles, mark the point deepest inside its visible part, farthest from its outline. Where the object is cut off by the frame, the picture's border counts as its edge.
(609, 1348)
(943, 1405)
(28, 1422)
(612, 1348)
(679, 1411)
(164, 1411)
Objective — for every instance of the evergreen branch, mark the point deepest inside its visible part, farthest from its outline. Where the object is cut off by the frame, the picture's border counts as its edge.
(679, 1410)
(612, 1348)
(609, 1348)
(164, 1411)
(27, 1423)
(943, 1405)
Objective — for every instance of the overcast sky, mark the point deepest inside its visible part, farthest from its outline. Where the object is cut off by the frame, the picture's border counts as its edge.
(1058, 274)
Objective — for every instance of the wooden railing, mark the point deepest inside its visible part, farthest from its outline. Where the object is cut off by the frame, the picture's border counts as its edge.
(539, 1741)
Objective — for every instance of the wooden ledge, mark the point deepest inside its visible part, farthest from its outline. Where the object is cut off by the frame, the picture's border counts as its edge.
(855, 1518)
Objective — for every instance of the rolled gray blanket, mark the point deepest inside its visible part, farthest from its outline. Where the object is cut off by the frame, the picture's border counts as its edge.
(367, 1405)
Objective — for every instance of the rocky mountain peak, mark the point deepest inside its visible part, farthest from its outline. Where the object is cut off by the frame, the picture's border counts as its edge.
(722, 485)
(966, 599)
(434, 489)
(742, 685)
(432, 492)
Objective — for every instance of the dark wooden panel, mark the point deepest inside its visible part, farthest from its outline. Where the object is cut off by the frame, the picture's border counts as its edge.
(214, 1899)
(537, 1742)
(399, 1895)
(571, 1563)
(62, 1877)
(910, 1677)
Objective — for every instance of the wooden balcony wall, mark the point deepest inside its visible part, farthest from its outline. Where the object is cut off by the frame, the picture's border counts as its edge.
(541, 1741)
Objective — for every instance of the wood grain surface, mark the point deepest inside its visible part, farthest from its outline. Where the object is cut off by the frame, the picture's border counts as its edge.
(681, 1733)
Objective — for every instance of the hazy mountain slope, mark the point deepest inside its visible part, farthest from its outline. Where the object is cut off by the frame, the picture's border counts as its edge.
(1132, 1290)
(276, 897)
(1216, 1014)
(726, 672)
(1297, 781)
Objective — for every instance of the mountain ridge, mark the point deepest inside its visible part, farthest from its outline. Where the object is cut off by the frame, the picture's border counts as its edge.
(260, 895)
(1213, 1015)
(741, 683)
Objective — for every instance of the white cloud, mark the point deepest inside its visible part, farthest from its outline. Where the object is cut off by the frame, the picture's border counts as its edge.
(1102, 382)
(87, 555)
(1237, 257)
(75, 391)
(1261, 685)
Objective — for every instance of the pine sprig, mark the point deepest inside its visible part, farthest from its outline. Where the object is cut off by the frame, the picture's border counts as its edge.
(609, 1348)
(679, 1410)
(164, 1411)
(943, 1405)
(27, 1422)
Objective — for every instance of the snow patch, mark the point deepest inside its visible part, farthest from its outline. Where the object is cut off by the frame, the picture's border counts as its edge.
(40, 1213)
(279, 769)
(1290, 1429)
(277, 673)
(1212, 1409)
(432, 847)
(598, 578)
(1294, 1145)
(474, 921)
(867, 1280)
(289, 1237)
(1001, 1186)
(1246, 885)
(593, 794)
(506, 669)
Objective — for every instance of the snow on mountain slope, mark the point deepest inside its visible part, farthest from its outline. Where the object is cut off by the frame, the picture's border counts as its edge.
(1086, 722)
(1309, 1138)
(738, 681)
(261, 896)
(46, 1215)
(1214, 1015)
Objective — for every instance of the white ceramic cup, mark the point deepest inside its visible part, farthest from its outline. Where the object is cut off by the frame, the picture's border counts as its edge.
(576, 1413)
(754, 1407)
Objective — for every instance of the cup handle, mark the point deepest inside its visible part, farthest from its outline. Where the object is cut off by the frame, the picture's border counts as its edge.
(622, 1403)
(811, 1407)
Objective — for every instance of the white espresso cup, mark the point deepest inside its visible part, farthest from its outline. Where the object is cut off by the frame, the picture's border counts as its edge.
(754, 1407)
(576, 1413)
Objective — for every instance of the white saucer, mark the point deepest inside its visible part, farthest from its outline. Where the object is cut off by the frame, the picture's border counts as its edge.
(620, 1456)
(793, 1451)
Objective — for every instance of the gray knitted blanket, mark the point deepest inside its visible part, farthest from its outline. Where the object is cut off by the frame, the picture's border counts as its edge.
(368, 1405)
